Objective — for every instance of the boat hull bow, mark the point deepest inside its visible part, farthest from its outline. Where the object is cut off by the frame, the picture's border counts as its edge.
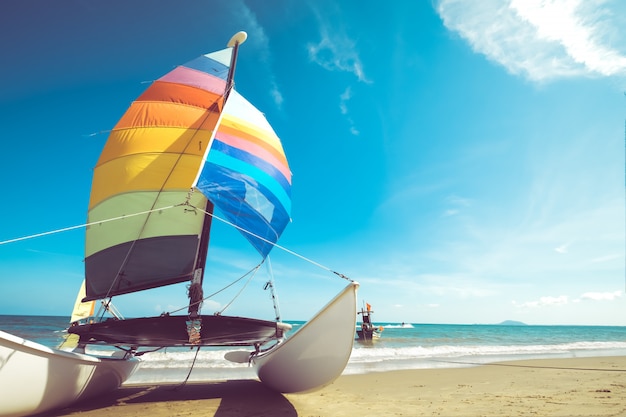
(316, 354)
(36, 379)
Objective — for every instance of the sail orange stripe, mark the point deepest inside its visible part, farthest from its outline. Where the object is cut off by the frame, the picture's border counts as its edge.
(235, 131)
(156, 114)
(259, 151)
(179, 93)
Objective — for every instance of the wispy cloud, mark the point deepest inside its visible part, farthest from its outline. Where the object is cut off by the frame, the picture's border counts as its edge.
(601, 296)
(541, 39)
(259, 39)
(276, 94)
(564, 299)
(562, 248)
(343, 106)
(457, 285)
(544, 301)
(337, 51)
(345, 97)
(456, 204)
(607, 258)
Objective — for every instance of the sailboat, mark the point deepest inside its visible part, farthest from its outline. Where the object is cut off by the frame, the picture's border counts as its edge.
(189, 144)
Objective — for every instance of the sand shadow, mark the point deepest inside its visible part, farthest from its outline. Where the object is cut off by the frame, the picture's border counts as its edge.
(236, 397)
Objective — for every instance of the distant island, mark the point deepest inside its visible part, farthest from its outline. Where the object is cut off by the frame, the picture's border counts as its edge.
(512, 323)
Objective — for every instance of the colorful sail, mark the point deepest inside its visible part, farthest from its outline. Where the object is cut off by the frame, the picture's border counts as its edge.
(150, 161)
(185, 133)
(247, 175)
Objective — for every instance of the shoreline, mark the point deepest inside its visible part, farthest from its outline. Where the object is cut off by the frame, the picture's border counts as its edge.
(546, 387)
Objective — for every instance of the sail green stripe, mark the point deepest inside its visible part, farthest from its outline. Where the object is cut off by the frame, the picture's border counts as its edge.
(168, 222)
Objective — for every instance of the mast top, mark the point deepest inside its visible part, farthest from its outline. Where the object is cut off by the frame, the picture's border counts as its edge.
(238, 38)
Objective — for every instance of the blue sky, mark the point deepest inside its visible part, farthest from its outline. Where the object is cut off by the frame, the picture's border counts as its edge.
(462, 160)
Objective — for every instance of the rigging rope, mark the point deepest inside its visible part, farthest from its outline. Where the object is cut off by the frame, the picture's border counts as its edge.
(254, 271)
(66, 229)
(276, 245)
(223, 289)
(190, 369)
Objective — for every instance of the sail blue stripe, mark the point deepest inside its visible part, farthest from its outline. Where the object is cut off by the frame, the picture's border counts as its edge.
(258, 175)
(210, 66)
(253, 160)
(227, 190)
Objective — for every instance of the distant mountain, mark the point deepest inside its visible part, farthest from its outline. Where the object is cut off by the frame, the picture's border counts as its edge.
(512, 323)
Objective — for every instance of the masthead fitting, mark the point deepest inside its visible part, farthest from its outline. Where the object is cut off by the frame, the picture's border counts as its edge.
(238, 38)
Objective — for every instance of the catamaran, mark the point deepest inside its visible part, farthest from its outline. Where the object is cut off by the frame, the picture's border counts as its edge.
(189, 147)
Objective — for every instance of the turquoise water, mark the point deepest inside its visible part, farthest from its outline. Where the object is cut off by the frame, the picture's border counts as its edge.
(411, 346)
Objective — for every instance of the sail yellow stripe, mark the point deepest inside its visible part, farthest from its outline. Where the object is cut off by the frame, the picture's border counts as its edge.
(162, 139)
(253, 133)
(129, 174)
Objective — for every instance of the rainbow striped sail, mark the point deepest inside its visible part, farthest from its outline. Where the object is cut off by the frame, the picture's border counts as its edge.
(188, 143)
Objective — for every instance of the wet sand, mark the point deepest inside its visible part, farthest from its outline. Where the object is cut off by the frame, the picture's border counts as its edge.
(550, 387)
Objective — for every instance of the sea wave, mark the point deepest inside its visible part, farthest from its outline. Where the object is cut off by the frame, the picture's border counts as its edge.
(398, 326)
(178, 364)
(378, 354)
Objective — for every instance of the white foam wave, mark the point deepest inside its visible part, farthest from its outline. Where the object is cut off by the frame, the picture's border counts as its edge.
(398, 326)
(185, 358)
(175, 364)
(450, 351)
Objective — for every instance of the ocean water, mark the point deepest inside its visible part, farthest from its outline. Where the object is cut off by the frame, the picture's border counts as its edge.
(408, 346)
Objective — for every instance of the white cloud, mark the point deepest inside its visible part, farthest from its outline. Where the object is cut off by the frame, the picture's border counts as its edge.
(606, 258)
(260, 41)
(459, 201)
(544, 301)
(601, 296)
(543, 39)
(343, 107)
(457, 204)
(336, 52)
(562, 248)
(563, 299)
(276, 94)
(345, 97)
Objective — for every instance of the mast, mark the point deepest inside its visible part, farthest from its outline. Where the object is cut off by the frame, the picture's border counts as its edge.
(195, 292)
(234, 42)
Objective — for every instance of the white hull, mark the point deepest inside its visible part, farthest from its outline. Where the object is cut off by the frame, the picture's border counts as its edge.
(35, 378)
(317, 353)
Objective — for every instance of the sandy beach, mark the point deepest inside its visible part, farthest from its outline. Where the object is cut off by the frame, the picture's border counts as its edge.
(550, 387)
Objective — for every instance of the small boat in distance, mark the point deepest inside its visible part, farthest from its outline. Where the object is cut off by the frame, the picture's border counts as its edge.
(368, 332)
